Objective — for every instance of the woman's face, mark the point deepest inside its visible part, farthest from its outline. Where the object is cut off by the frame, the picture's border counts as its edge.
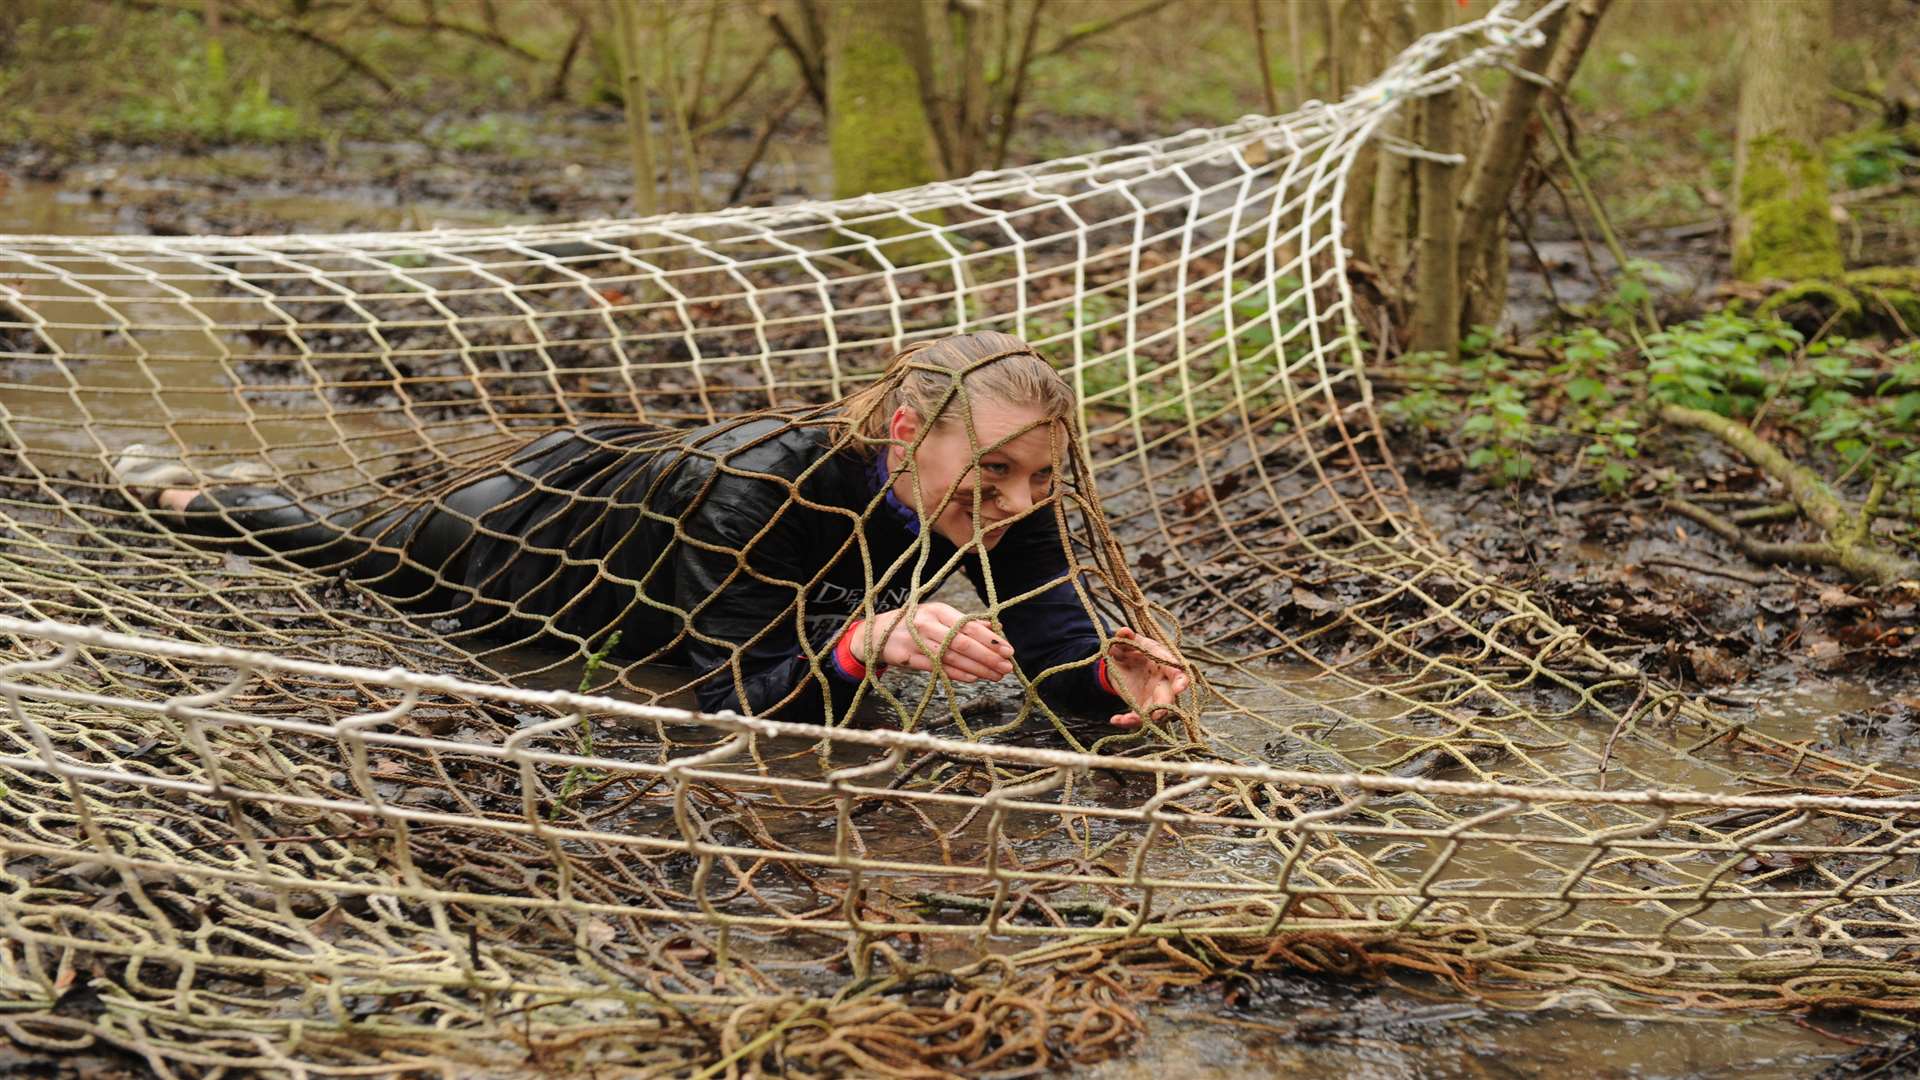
(1018, 449)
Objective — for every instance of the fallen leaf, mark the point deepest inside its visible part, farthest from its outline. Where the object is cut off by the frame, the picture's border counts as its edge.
(600, 933)
(1834, 598)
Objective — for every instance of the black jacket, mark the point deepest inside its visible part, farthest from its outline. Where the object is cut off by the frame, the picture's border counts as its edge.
(745, 549)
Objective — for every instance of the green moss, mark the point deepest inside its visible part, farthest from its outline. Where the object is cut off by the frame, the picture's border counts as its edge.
(1883, 277)
(1873, 300)
(879, 134)
(1900, 305)
(1824, 293)
(1783, 198)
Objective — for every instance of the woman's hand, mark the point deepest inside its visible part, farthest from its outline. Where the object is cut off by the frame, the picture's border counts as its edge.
(1146, 673)
(975, 654)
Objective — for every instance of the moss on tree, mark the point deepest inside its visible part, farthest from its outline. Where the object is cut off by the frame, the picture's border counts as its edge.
(878, 130)
(1783, 197)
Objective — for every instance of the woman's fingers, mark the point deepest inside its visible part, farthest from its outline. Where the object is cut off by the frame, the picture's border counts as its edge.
(1148, 671)
(970, 653)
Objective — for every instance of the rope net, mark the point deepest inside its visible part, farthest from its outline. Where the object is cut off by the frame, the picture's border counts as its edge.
(298, 779)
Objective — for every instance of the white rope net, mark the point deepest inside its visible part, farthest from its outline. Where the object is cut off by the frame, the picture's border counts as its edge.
(261, 815)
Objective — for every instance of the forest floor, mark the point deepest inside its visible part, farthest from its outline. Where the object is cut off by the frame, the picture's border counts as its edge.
(1602, 550)
(1591, 534)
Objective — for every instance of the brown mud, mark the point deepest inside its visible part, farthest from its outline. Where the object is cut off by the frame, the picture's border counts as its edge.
(1790, 649)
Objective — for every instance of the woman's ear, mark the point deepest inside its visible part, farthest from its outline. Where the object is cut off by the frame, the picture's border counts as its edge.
(904, 425)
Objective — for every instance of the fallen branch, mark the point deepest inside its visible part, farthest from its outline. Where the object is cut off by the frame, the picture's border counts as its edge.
(1710, 571)
(1848, 545)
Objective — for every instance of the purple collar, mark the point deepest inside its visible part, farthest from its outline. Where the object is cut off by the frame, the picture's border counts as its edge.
(881, 479)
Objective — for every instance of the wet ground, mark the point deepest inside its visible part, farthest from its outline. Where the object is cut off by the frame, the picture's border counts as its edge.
(1791, 653)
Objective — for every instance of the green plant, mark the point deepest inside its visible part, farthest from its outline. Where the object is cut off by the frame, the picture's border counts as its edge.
(579, 775)
(487, 133)
(1723, 362)
(1587, 356)
(1615, 442)
(1867, 158)
(1498, 417)
(207, 103)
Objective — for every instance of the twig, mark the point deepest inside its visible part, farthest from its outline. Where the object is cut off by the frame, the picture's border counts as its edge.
(707, 121)
(1088, 30)
(1546, 276)
(1010, 110)
(1600, 216)
(1762, 514)
(1800, 357)
(557, 88)
(1849, 545)
(1711, 571)
(670, 80)
(262, 24)
(1260, 54)
(767, 127)
(811, 67)
(488, 36)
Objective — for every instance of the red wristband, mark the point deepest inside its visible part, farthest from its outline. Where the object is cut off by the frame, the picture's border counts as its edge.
(1100, 674)
(843, 658)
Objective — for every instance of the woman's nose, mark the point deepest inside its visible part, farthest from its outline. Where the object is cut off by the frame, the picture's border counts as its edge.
(1016, 498)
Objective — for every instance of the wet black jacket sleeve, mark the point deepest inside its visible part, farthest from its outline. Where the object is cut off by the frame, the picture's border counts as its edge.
(1051, 628)
(741, 571)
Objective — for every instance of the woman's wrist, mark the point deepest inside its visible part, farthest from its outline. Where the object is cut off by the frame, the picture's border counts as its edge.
(851, 651)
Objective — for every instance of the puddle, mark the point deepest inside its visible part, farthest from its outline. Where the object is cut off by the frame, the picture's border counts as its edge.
(170, 373)
(1186, 1042)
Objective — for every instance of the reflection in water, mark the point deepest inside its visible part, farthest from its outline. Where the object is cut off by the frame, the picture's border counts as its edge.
(164, 372)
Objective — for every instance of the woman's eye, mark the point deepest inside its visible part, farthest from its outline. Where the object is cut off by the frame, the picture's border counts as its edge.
(994, 468)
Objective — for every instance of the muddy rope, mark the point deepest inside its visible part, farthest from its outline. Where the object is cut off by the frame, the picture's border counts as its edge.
(255, 815)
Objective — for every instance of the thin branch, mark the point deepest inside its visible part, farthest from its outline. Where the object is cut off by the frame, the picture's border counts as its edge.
(1600, 216)
(1848, 546)
(1260, 57)
(1094, 29)
(707, 120)
(1760, 551)
(699, 89)
(772, 123)
(435, 24)
(275, 26)
(676, 108)
(1011, 109)
(812, 65)
(557, 89)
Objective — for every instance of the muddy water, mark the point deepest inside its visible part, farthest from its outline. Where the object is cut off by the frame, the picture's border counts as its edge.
(170, 372)
(1393, 1036)
(1309, 1027)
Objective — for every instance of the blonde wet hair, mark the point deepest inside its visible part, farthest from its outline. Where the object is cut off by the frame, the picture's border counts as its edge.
(934, 377)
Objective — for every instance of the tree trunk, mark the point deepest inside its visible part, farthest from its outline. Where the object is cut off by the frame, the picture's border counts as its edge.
(1356, 209)
(1783, 226)
(1436, 300)
(877, 126)
(1389, 231)
(633, 92)
(1501, 153)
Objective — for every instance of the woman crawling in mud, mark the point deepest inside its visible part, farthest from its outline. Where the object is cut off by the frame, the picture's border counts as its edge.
(785, 553)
